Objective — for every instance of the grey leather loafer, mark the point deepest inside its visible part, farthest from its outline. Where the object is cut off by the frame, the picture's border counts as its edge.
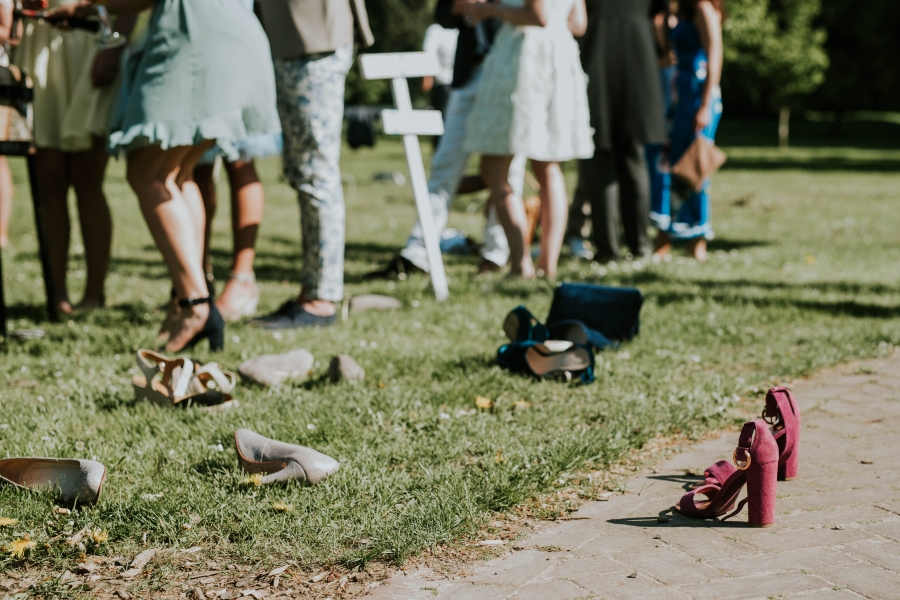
(74, 480)
(282, 461)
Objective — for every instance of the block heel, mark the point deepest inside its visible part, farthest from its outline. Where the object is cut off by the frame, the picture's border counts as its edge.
(761, 484)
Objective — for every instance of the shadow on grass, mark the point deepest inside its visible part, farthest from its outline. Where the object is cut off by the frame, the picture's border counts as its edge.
(734, 293)
(792, 163)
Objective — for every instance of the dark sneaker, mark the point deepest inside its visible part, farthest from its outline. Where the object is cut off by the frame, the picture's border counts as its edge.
(292, 316)
(398, 268)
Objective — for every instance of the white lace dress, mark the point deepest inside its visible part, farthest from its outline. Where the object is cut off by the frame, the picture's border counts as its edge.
(532, 99)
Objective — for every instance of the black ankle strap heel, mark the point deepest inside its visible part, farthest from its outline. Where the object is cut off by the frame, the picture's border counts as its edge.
(187, 302)
(213, 329)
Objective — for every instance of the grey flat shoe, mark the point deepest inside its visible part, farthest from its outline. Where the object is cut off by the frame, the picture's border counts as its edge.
(75, 480)
(282, 461)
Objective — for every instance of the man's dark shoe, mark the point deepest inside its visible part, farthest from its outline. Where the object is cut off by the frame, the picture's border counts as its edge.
(292, 316)
(487, 267)
(398, 268)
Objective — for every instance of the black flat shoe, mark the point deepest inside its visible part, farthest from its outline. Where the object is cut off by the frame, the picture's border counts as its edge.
(398, 268)
(213, 329)
(292, 316)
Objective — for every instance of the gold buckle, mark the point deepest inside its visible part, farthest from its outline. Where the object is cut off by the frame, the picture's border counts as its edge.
(737, 462)
(773, 420)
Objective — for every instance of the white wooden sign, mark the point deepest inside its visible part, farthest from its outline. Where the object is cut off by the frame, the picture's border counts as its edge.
(410, 124)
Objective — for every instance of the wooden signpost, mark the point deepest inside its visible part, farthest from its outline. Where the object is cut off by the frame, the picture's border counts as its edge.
(410, 124)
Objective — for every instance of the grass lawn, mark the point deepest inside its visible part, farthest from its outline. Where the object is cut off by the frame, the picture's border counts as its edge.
(803, 274)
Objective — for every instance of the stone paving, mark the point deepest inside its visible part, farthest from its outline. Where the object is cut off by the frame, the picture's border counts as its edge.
(837, 533)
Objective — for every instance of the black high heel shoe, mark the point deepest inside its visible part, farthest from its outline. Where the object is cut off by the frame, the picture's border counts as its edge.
(213, 329)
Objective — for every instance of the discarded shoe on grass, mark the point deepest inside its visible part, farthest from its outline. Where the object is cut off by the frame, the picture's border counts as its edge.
(281, 461)
(343, 369)
(543, 359)
(75, 480)
(273, 370)
(181, 383)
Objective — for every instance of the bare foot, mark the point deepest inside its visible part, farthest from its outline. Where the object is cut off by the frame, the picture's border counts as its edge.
(663, 244)
(697, 249)
(239, 299)
(187, 323)
(65, 307)
(319, 308)
(88, 304)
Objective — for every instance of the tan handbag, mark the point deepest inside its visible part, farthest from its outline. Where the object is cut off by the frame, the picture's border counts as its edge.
(16, 112)
(700, 162)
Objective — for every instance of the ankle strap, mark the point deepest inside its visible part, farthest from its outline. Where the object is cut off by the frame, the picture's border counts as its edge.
(243, 277)
(186, 302)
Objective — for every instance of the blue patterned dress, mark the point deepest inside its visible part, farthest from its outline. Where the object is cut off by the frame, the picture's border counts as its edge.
(693, 218)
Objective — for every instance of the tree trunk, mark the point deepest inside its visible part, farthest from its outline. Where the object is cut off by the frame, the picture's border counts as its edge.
(784, 126)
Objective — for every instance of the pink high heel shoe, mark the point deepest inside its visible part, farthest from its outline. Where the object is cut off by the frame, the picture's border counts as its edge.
(783, 414)
(756, 462)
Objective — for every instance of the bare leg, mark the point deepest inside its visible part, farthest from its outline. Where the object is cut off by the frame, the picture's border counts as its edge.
(6, 196)
(697, 249)
(86, 170)
(241, 295)
(173, 209)
(203, 176)
(663, 244)
(53, 195)
(510, 211)
(554, 214)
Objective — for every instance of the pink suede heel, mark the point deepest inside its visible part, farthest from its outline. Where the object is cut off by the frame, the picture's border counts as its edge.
(756, 461)
(783, 414)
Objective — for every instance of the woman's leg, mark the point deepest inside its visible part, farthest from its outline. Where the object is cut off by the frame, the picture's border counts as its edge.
(173, 209)
(203, 176)
(510, 210)
(53, 192)
(554, 214)
(86, 170)
(247, 200)
(6, 196)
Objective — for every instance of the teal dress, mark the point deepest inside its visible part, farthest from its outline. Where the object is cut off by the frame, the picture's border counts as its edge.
(204, 73)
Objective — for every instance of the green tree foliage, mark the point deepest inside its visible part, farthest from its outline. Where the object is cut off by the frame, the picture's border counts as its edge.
(398, 26)
(775, 50)
(865, 56)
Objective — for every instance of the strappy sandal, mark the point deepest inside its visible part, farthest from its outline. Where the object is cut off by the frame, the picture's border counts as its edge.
(783, 415)
(756, 462)
(178, 382)
(542, 359)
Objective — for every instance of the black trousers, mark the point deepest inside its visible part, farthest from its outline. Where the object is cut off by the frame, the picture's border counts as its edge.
(617, 186)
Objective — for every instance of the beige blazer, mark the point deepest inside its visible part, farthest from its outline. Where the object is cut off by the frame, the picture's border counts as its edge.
(302, 27)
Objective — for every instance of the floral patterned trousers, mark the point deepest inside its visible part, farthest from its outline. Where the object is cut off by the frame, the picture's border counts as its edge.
(311, 107)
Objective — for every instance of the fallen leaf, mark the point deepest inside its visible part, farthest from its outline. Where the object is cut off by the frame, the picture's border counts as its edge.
(86, 567)
(198, 594)
(131, 573)
(6, 522)
(484, 403)
(18, 548)
(255, 480)
(319, 577)
(838, 527)
(498, 458)
(633, 575)
(278, 571)
(867, 461)
(490, 543)
(62, 511)
(98, 536)
(282, 507)
(142, 559)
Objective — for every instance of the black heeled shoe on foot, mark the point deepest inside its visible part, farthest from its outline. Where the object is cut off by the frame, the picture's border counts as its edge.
(213, 329)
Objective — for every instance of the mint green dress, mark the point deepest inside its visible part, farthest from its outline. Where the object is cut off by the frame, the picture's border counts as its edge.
(204, 72)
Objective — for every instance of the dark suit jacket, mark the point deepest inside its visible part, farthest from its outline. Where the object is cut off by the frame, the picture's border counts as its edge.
(619, 57)
(473, 44)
